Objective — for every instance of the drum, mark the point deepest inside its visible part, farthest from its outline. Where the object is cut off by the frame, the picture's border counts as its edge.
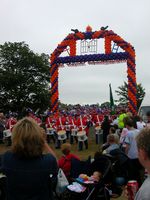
(97, 128)
(50, 131)
(62, 135)
(81, 133)
(74, 132)
(7, 133)
(81, 136)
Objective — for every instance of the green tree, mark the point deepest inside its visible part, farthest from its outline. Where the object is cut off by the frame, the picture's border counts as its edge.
(122, 92)
(105, 105)
(24, 78)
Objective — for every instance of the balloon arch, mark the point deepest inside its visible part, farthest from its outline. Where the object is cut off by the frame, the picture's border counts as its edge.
(69, 44)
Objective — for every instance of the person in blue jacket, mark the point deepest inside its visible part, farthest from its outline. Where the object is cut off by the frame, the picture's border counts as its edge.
(27, 168)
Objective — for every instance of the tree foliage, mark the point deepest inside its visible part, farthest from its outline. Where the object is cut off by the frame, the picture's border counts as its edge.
(122, 92)
(105, 105)
(24, 78)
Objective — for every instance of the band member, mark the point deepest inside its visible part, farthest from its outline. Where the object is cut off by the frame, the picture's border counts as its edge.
(74, 130)
(50, 128)
(31, 114)
(11, 122)
(9, 126)
(67, 126)
(98, 120)
(97, 124)
(82, 132)
(61, 132)
(82, 123)
(38, 120)
(89, 121)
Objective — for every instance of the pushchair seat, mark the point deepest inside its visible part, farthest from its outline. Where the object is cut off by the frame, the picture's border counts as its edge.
(120, 164)
(79, 166)
(93, 191)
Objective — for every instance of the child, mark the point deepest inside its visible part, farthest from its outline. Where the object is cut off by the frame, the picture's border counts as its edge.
(83, 178)
(65, 161)
(95, 177)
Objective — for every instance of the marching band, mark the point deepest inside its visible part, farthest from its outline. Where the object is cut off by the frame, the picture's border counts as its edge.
(59, 129)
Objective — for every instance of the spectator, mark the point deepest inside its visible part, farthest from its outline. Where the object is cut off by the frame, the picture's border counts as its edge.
(47, 148)
(143, 145)
(65, 161)
(26, 167)
(113, 141)
(131, 149)
(139, 123)
(112, 130)
(105, 126)
(120, 119)
(123, 135)
(115, 121)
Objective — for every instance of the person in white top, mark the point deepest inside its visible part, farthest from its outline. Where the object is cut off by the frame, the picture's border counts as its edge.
(140, 123)
(131, 149)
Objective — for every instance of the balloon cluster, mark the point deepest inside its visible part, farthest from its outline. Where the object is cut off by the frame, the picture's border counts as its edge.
(109, 57)
(72, 48)
(93, 57)
(107, 45)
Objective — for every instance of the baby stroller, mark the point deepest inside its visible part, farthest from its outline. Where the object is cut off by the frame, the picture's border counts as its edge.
(121, 170)
(97, 190)
(120, 164)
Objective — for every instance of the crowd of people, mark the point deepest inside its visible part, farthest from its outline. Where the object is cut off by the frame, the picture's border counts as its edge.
(72, 124)
(31, 166)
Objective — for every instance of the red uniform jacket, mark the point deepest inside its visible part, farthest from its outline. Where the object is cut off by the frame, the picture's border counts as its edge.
(72, 122)
(82, 124)
(60, 123)
(10, 123)
(98, 120)
(50, 122)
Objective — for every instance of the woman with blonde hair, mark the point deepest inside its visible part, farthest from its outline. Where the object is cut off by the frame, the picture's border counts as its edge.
(26, 167)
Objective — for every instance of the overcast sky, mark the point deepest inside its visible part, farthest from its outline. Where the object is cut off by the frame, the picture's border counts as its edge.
(43, 24)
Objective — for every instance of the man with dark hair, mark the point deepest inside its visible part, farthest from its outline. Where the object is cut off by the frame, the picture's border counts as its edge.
(143, 145)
